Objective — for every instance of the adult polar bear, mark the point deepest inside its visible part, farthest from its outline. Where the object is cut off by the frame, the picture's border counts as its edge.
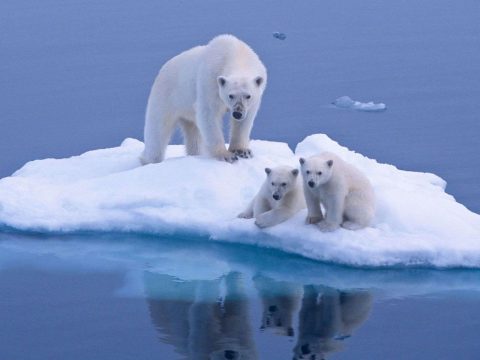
(195, 89)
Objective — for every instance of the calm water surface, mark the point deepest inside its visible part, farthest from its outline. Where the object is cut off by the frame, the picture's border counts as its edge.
(127, 297)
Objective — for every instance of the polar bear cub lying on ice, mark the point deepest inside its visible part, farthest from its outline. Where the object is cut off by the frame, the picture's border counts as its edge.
(279, 198)
(344, 192)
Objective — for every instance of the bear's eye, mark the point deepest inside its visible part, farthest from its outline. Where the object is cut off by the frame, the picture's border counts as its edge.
(308, 172)
(319, 173)
(273, 183)
(284, 184)
(231, 96)
(247, 97)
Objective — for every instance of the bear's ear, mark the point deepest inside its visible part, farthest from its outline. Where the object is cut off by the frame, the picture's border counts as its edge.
(295, 172)
(302, 161)
(330, 163)
(221, 81)
(259, 80)
(268, 171)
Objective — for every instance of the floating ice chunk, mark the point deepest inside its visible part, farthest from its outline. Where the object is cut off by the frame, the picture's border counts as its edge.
(416, 222)
(279, 35)
(345, 102)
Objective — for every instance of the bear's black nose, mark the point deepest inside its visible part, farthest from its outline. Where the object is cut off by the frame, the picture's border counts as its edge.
(230, 354)
(237, 115)
(272, 308)
(276, 197)
(311, 183)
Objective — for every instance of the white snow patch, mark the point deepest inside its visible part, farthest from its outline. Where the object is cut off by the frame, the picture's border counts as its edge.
(416, 222)
(345, 102)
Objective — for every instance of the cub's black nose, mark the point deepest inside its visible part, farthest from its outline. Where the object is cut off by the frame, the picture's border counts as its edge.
(276, 197)
(237, 115)
(272, 308)
(311, 183)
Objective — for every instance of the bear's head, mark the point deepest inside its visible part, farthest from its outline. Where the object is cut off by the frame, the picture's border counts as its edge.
(316, 170)
(240, 93)
(280, 181)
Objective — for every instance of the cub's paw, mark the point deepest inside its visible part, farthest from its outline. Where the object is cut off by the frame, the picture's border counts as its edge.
(243, 153)
(262, 222)
(327, 226)
(313, 219)
(226, 156)
(245, 215)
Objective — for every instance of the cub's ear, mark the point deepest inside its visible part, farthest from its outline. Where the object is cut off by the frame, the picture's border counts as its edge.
(268, 171)
(330, 163)
(295, 172)
(221, 80)
(259, 80)
(302, 161)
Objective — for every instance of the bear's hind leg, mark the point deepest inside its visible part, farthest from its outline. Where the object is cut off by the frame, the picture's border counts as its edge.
(191, 136)
(158, 132)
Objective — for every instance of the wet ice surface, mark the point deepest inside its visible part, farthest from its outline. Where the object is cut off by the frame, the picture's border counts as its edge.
(345, 102)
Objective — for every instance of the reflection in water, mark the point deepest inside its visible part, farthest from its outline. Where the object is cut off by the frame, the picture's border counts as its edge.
(280, 300)
(209, 319)
(194, 318)
(327, 317)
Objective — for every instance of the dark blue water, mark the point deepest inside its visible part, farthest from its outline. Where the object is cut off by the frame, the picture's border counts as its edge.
(124, 297)
(75, 76)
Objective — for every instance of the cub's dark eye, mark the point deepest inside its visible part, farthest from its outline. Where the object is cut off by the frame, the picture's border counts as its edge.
(284, 184)
(231, 96)
(319, 173)
(247, 97)
(308, 172)
(273, 183)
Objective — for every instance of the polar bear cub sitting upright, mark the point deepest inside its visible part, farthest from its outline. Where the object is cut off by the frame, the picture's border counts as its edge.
(279, 198)
(195, 89)
(345, 193)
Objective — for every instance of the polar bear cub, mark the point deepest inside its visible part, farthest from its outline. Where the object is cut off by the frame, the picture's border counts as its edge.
(279, 198)
(344, 192)
(195, 89)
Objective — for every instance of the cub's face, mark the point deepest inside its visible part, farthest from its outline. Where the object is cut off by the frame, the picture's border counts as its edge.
(280, 181)
(316, 171)
(239, 94)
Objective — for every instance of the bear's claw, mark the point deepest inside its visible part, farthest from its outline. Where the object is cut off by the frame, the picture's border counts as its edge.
(243, 153)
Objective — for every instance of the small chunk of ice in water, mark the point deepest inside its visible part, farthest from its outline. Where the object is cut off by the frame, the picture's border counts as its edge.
(345, 102)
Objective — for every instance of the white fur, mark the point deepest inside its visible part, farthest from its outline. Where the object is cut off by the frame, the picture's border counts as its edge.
(283, 183)
(344, 192)
(192, 89)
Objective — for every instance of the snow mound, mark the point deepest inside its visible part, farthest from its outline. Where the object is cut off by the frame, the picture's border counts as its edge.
(345, 102)
(107, 190)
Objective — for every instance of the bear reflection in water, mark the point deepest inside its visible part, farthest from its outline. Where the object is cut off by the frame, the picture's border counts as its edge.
(199, 320)
(327, 317)
(209, 319)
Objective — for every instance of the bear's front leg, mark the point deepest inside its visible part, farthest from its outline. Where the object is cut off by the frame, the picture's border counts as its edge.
(240, 135)
(210, 126)
(333, 213)
(313, 206)
(248, 212)
(272, 217)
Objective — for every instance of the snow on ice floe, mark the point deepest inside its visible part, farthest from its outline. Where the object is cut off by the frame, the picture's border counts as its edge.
(107, 190)
(345, 102)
